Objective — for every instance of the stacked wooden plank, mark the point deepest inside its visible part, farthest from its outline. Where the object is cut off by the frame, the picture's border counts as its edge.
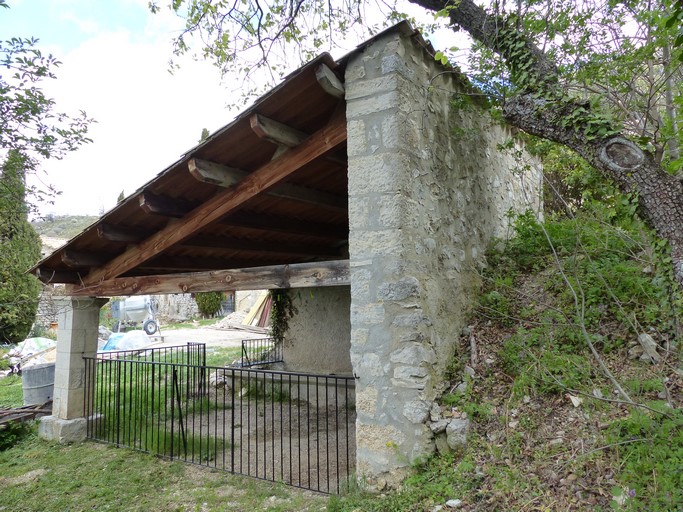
(25, 413)
(259, 314)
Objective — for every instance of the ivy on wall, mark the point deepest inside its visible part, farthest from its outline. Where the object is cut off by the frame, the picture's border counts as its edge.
(281, 311)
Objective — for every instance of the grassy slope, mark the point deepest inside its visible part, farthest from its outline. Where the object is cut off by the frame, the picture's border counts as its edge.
(547, 432)
(63, 226)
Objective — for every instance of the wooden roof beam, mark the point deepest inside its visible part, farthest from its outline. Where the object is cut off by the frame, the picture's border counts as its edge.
(78, 259)
(165, 206)
(276, 132)
(235, 244)
(54, 276)
(324, 141)
(272, 224)
(284, 136)
(299, 275)
(224, 176)
(329, 81)
(112, 233)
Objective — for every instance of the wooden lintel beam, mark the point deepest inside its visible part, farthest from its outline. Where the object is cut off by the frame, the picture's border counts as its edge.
(299, 275)
(276, 132)
(116, 234)
(329, 81)
(224, 176)
(78, 259)
(326, 140)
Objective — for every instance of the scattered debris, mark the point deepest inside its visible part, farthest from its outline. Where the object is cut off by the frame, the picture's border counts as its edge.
(649, 347)
(25, 413)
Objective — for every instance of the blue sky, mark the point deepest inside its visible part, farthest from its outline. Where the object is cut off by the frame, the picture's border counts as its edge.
(65, 24)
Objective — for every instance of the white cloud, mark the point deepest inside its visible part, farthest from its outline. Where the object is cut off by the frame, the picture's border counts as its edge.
(146, 118)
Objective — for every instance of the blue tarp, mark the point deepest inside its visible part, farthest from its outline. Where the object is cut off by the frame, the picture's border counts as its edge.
(131, 340)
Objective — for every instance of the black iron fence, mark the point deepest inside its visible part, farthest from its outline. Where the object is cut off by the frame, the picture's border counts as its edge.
(261, 351)
(295, 428)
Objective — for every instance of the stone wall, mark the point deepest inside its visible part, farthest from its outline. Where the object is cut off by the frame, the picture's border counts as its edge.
(318, 338)
(175, 307)
(427, 191)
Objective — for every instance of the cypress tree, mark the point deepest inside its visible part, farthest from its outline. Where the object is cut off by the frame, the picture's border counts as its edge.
(19, 250)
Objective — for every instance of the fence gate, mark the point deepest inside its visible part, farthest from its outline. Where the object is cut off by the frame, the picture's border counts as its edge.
(280, 426)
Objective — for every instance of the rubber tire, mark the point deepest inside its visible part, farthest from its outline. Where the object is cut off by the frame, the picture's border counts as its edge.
(150, 327)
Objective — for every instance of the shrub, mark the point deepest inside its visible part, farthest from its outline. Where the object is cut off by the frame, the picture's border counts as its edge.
(13, 432)
(209, 303)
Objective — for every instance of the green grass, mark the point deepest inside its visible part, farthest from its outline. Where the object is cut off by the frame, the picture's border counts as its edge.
(41, 476)
(11, 392)
(222, 356)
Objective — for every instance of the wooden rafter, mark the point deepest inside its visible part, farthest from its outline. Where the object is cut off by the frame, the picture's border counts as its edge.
(329, 81)
(301, 275)
(234, 244)
(117, 234)
(225, 176)
(276, 132)
(79, 259)
(270, 224)
(50, 276)
(270, 174)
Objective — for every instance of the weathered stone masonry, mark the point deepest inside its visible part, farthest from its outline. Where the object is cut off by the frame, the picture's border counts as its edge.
(427, 191)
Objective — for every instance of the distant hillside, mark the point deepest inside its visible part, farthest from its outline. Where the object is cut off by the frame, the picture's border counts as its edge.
(64, 226)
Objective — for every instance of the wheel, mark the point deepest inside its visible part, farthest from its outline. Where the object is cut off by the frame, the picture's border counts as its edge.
(150, 327)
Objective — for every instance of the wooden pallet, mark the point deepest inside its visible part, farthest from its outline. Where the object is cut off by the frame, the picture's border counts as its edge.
(25, 413)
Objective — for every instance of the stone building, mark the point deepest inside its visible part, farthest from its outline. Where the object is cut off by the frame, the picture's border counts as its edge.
(369, 187)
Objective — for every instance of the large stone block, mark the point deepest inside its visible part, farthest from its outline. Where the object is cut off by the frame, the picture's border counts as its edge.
(61, 430)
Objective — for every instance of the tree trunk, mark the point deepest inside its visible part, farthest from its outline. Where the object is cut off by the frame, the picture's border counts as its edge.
(542, 108)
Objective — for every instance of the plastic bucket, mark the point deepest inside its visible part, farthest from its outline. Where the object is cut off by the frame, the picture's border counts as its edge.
(38, 383)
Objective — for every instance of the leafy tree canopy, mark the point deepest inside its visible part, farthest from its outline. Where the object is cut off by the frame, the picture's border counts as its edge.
(29, 121)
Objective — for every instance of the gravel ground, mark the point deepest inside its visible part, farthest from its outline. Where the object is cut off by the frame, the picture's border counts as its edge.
(212, 337)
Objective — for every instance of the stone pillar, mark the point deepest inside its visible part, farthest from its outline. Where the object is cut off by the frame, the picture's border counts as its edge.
(428, 188)
(78, 323)
(390, 353)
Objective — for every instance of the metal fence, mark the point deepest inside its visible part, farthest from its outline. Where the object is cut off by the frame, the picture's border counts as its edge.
(261, 351)
(279, 426)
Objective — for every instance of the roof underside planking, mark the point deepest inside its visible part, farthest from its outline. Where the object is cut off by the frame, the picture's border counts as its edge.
(262, 203)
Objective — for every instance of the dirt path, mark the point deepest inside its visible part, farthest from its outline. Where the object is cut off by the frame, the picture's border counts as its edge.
(211, 337)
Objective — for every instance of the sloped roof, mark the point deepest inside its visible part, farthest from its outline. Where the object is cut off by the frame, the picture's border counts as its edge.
(270, 188)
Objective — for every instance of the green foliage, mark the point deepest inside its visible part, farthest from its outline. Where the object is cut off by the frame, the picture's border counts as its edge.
(281, 311)
(209, 303)
(29, 123)
(608, 258)
(19, 250)
(433, 483)
(63, 226)
(496, 306)
(650, 447)
(542, 362)
(13, 432)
